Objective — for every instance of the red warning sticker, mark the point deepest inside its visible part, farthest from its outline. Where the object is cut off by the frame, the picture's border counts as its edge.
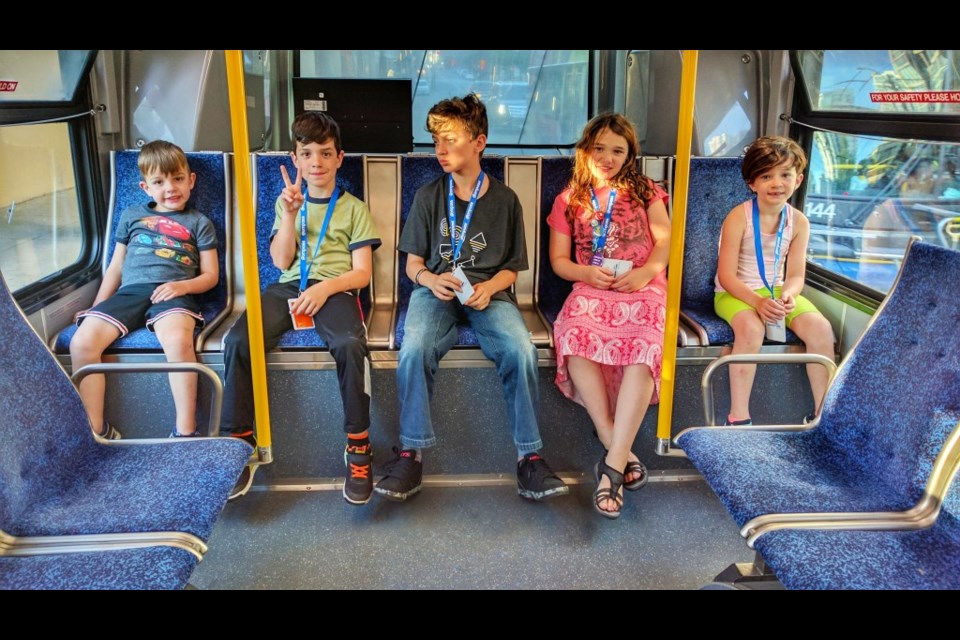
(8, 85)
(915, 96)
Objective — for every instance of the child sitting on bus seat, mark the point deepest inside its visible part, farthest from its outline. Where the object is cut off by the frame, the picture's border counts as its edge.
(165, 254)
(609, 334)
(323, 241)
(758, 282)
(464, 243)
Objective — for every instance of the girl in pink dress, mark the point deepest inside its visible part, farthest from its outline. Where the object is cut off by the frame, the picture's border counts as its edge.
(609, 334)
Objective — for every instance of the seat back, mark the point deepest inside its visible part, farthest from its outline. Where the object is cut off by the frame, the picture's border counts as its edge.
(42, 422)
(716, 186)
(268, 184)
(555, 174)
(415, 172)
(896, 396)
(211, 196)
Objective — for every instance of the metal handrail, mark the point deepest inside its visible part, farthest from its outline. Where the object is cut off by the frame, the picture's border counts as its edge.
(216, 399)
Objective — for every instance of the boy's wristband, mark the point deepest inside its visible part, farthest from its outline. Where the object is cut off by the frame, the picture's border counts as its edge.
(416, 278)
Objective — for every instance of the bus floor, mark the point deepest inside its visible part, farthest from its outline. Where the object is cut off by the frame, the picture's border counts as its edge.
(672, 535)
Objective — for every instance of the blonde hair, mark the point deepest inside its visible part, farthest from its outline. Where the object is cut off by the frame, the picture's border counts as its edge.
(161, 156)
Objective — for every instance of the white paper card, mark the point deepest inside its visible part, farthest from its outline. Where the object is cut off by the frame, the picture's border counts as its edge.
(619, 267)
(777, 331)
(466, 290)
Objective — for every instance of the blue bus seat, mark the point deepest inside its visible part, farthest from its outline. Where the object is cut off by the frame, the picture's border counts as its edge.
(269, 183)
(415, 172)
(716, 186)
(57, 479)
(151, 568)
(212, 197)
(842, 559)
(879, 432)
(555, 174)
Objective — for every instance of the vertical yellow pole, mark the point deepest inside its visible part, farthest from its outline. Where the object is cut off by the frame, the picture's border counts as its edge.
(248, 243)
(677, 227)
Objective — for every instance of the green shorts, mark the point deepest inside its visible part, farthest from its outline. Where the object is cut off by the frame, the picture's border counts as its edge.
(728, 306)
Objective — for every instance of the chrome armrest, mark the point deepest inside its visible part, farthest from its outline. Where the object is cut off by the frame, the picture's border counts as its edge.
(706, 383)
(216, 399)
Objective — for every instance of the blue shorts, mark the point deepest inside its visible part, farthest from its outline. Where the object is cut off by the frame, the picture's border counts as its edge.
(130, 308)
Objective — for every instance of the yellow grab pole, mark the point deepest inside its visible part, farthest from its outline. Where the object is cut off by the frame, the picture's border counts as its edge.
(681, 185)
(248, 243)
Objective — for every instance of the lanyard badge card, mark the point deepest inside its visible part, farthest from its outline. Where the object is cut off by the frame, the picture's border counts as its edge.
(775, 331)
(302, 321)
(466, 289)
(600, 240)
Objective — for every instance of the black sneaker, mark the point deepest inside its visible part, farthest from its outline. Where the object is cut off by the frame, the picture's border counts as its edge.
(358, 486)
(403, 476)
(536, 481)
(737, 423)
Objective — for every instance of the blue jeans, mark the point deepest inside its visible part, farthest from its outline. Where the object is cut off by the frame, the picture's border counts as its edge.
(430, 331)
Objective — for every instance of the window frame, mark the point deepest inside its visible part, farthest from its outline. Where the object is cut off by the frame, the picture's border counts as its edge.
(82, 135)
(910, 126)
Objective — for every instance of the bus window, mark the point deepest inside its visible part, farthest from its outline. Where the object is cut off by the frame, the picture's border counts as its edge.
(41, 75)
(533, 97)
(867, 196)
(40, 230)
(883, 81)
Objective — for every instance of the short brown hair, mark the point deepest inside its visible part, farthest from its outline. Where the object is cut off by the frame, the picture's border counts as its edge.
(161, 156)
(467, 111)
(316, 126)
(769, 152)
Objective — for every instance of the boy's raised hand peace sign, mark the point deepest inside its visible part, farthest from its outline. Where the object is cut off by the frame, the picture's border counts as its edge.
(291, 196)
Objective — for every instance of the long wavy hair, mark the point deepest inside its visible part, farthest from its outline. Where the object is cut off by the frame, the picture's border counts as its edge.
(628, 181)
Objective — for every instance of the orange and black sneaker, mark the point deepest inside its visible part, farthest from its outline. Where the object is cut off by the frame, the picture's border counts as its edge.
(358, 485)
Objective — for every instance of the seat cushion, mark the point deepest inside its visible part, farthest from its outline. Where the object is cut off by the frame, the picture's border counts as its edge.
(756, 473)
(926, 559)
(125, 488)
(121, 569)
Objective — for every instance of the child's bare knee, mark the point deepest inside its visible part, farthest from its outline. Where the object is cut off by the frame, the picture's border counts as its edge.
(176, 342)
(749, 332)
(85, 345)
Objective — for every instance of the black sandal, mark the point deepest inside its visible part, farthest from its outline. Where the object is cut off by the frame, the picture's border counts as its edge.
(610, 493)
(632, 467)
(635, 467)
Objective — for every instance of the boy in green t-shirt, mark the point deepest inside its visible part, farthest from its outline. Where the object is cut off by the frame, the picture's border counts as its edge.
(315, 291)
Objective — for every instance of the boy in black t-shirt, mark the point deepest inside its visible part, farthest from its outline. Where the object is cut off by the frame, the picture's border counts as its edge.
(465, 268)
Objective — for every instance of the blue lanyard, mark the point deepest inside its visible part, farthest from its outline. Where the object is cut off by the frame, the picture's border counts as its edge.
(452, 214)
(599, 242)
(304, 247)
(776, 246)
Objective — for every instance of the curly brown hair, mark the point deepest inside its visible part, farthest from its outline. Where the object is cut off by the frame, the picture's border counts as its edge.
(629, 180)
(771, 151)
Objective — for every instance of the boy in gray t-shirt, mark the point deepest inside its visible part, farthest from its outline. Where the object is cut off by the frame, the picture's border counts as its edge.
(165, 254)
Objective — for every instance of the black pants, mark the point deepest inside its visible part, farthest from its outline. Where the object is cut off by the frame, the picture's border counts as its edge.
(339, 324)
